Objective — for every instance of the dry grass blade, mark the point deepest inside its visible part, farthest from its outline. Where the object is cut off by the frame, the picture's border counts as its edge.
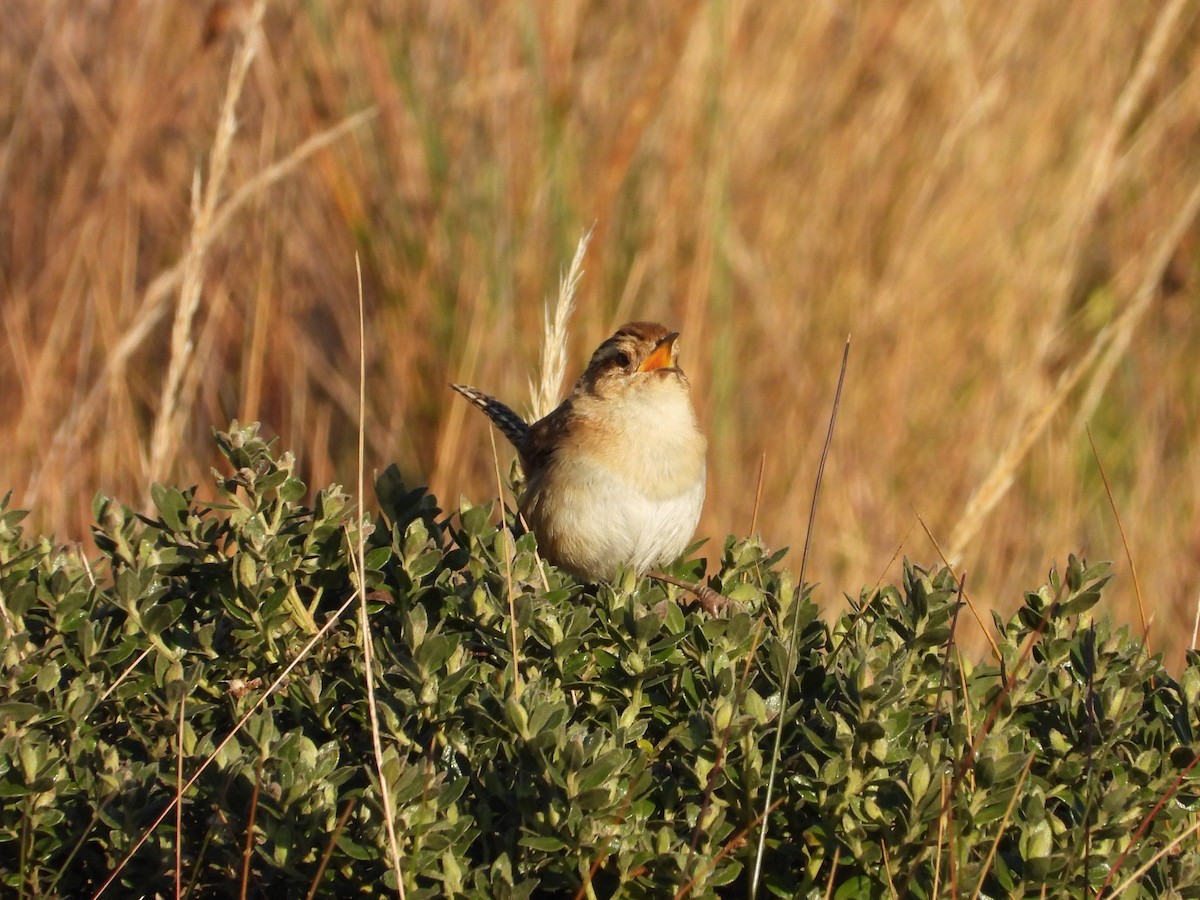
(1145, 823)
(987, 632)
(1112, 503)
(1195, 630)
(1010, 682)
(731, 845)
(762, 466)
(1107, 346)
(546, 392)
(845, 641)
(949, 646)
(164, 439)
(1012, 803)
(837, 853)
(1112, 342)
(125, 673)
(18, 121)
(999, 479)
(179, 799)
(286, 166)
(1149, 864)
(1127, 323)
(360, 569)
(791, 655)
(942, 817)
(248, 846)
(1101, 168)
(323, 864)
(509, 548)
(887, 870)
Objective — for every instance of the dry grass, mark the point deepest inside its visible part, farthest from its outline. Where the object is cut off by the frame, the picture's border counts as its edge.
(997, 200)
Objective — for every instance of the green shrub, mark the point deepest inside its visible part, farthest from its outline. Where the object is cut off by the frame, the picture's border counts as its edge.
(627, 750)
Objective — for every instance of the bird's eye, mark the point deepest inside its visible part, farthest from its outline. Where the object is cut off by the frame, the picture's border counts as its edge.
(622, 360)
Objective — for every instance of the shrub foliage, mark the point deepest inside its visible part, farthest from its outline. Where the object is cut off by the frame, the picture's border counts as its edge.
(625, 751)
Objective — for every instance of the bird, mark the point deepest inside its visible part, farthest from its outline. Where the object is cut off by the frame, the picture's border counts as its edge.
(615, 475)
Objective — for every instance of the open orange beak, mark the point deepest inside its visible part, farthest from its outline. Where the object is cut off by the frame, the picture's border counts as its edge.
(663, 356)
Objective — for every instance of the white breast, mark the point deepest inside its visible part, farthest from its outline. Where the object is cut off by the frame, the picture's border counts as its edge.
(631, 494)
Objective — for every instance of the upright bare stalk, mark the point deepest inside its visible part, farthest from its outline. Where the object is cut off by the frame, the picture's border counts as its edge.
(205, 199)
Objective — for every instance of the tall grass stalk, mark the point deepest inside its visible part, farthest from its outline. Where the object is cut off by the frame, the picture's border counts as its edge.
(172, 407)
(794, 631)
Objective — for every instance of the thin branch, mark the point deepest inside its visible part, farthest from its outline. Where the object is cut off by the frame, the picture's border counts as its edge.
(368, 643)
(791, 657)
(762, 465)
(1137, 587)
(987, 864)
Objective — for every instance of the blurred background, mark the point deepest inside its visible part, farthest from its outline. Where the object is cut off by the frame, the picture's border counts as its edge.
(997, 200)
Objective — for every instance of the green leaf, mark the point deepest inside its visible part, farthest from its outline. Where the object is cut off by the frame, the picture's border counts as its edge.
(161, 616)
(171, 505)
(433, 652)
(48, 677)
(859, 886)
(16, 711)
(601, 770)
(544, 843)
(726, 874)
(475, 520)
(292, 489)
(376, 559)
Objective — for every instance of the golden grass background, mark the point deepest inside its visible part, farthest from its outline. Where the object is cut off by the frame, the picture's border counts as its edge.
(997, 200)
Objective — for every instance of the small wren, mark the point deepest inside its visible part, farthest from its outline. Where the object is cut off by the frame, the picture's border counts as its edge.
(615, 475)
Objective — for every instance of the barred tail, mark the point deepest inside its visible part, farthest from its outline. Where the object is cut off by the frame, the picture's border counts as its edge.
(514, 427)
